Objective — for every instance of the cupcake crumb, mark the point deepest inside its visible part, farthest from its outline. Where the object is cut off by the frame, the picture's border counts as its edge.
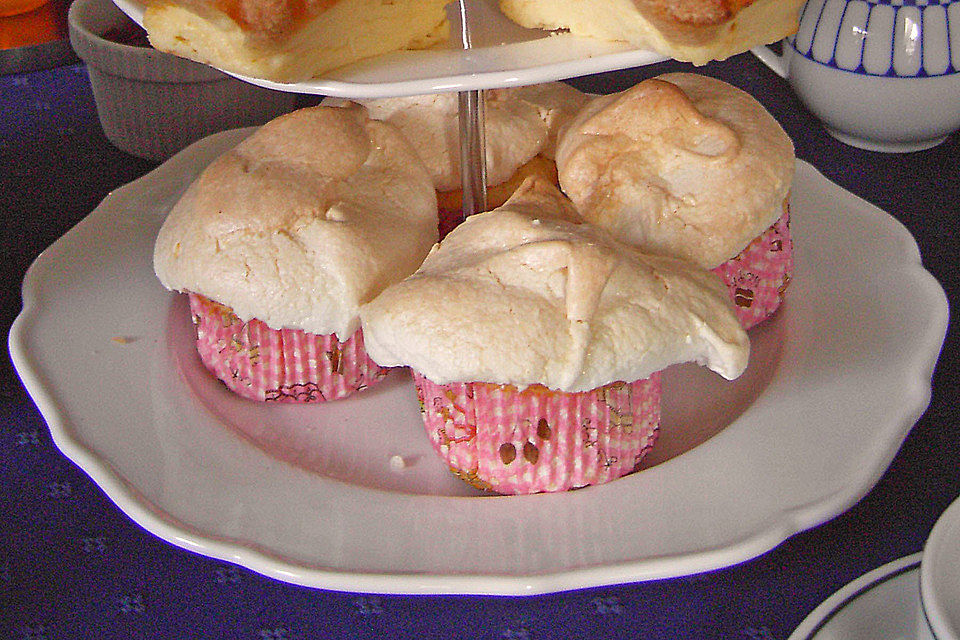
(399, 463)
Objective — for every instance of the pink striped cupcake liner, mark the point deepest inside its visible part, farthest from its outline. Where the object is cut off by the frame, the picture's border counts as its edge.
(759, 276)
(517, 442)
(286, 365)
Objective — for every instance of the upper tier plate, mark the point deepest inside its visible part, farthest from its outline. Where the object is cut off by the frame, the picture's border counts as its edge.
(307, 494)
(503, 55)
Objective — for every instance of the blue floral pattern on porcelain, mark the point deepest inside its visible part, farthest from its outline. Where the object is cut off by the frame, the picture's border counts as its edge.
(888, 38)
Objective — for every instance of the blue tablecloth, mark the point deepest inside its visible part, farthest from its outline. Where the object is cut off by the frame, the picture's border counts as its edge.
(72, 565)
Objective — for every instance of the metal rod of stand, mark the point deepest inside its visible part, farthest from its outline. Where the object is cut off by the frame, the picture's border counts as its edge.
(473, 165)
(473, 148)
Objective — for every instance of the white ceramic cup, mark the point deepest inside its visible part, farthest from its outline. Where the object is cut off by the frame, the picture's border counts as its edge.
(882, 75)
(939, 611)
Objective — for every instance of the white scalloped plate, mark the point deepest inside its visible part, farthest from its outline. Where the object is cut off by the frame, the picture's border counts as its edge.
(307, 494)
(504, 55)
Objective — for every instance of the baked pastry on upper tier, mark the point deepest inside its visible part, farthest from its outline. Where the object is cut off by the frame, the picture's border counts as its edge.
(695, 31)
(291, 40)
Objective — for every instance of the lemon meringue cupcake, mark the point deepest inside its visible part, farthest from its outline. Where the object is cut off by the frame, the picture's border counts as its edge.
(281, 240)
(536, 343)
(689, 166)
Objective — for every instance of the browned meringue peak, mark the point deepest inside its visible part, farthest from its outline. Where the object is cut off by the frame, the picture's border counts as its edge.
(520, 123)
(682, 165)
(525, 294)
(307, 219)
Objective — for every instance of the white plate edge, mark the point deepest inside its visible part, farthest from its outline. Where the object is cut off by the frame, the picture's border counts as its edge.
(480, 78)
(843, 596)
(937, 618)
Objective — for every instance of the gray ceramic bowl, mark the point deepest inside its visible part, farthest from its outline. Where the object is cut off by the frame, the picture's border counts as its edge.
(152, 104)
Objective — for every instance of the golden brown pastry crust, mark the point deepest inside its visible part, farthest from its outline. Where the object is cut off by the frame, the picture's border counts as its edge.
(272, 18)
(697, 12)
(291, 40)
(693, 30)
(691, 19)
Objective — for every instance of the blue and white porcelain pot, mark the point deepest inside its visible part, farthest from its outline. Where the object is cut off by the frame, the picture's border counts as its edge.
(880, 74)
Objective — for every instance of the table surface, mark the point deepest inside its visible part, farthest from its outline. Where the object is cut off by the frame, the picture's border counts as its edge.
(72, 565)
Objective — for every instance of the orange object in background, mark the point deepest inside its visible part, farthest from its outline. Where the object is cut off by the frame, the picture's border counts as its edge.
(14, 7)
(38, 21)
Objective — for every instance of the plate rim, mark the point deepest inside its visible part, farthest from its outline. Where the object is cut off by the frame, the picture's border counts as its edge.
(938, 545)
(839, 599)
(477, 73)
(153, 519)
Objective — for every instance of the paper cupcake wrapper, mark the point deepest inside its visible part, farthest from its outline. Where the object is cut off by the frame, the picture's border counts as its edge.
(758, 278)
(516, 442)
(286, 365)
